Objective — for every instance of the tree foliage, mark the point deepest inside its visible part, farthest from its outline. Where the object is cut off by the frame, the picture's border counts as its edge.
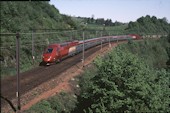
(147, 24)
(99, 21)
(123, 83)
(153, 52)
(24, 16)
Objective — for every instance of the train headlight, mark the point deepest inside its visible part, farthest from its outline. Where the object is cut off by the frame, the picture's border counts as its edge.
(49, 58)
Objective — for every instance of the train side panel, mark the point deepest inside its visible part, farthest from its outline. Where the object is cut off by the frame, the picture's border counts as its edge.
(72, 51)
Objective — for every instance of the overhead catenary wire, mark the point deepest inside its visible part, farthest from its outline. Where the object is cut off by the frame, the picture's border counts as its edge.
(30, 33)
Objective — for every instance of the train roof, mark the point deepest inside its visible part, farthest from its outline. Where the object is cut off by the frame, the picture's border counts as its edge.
(88, 40)
(63, 43)
(52, 45)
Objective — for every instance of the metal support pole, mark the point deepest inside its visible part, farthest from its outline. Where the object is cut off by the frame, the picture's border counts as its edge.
(117, 39)
(18, 71)
(83, 50)
(101, 41)
(33, 57)
(109, 40)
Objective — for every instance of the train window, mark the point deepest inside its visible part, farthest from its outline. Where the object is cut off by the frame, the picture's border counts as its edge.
(49, 50)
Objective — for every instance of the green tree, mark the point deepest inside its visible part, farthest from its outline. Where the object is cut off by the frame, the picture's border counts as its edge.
(125, 84)
(149, 25)
(100, 21)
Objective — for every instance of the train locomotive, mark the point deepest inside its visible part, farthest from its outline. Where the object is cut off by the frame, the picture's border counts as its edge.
(56, 52)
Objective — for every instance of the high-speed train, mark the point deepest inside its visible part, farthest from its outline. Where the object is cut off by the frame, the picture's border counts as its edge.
(56, 52)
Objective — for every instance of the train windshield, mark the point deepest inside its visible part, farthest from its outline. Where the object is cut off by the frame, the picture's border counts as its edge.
(49, 50)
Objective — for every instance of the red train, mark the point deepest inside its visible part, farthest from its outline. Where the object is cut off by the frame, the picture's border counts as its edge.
(56, 52)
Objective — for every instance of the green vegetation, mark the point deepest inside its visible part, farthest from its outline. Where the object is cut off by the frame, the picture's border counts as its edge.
(168, 37)
(153, 52)
(149, 25)
(24, 16)
(62, 103)
(124, 80)
(98, 21)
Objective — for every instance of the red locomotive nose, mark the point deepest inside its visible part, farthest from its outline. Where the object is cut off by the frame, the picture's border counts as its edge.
(47, 55)
(47, 58)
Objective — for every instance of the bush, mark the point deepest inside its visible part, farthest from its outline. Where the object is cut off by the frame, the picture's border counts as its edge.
(42, 107)
(63, 102)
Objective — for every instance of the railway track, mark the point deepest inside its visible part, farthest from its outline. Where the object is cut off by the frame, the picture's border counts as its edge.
(39, 75)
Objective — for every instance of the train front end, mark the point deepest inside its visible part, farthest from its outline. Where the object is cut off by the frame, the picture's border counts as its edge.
(50, 55)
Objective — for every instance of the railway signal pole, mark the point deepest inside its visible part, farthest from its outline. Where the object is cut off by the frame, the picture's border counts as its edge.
(18, 71)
